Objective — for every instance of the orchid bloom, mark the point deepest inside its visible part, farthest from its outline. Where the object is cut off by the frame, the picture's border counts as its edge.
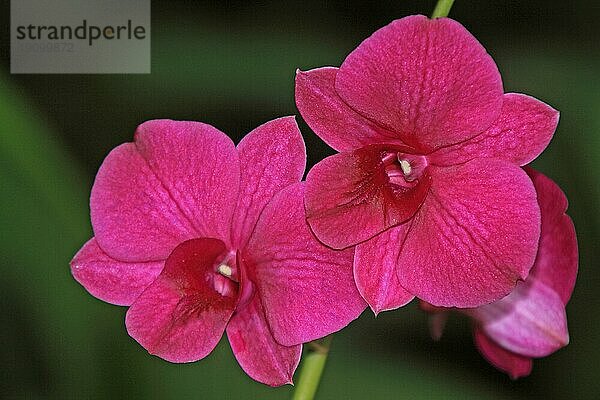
(427, 182)
(530, 322)
(199, 237)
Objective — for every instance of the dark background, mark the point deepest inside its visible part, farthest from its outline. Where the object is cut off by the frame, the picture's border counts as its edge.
(232, 64)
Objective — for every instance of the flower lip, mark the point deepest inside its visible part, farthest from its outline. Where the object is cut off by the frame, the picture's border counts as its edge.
(188, 299)
(227, 277)
(352, 196)
(223, 277)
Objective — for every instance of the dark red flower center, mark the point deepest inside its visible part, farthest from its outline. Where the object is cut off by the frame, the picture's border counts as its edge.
(206, 270)
(228, 279)
(403, 169)
(225, 275)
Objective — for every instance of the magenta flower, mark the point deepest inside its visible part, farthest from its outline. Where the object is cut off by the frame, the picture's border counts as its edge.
(199, 237)
(427, 181)
(530, 322)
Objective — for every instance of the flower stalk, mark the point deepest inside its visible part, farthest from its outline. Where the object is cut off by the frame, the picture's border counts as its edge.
(442, 8)
(312, 369)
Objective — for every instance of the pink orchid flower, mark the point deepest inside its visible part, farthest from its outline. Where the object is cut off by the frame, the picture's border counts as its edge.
(530, 322)
(427, 182)
(199, 237)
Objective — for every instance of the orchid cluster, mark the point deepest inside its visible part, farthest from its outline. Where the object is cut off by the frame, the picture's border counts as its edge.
(429, 196)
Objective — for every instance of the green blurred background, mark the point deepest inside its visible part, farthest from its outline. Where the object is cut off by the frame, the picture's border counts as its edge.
(232, 65)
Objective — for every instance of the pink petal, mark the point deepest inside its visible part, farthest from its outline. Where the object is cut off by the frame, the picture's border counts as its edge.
(307, 289)
(133, 215)
(333, 120)
(349, 197)
(531, 321)
(429, 80)
(513, 364)
(519, 134)
(181, 316)
(557, 258)
(272, 157)
(256, 350)
(474, 237)
(178, 181)
(111, 280)
(375, 270)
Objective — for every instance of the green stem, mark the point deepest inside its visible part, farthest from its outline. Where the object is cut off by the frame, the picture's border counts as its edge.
(312, 369)
(442, 8)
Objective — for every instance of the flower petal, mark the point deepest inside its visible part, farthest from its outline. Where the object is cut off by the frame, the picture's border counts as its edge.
(328, 116)
(181, 316)
(531, 321)
(253, 345)
(474, 237)
(349, 197)
(429, 80)
(272, 157)
(178, 181)
(307, 289)
(515, 365)
(519, 134)
(557, 258)
(133, 216)
(111, 280)
(375, 270)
